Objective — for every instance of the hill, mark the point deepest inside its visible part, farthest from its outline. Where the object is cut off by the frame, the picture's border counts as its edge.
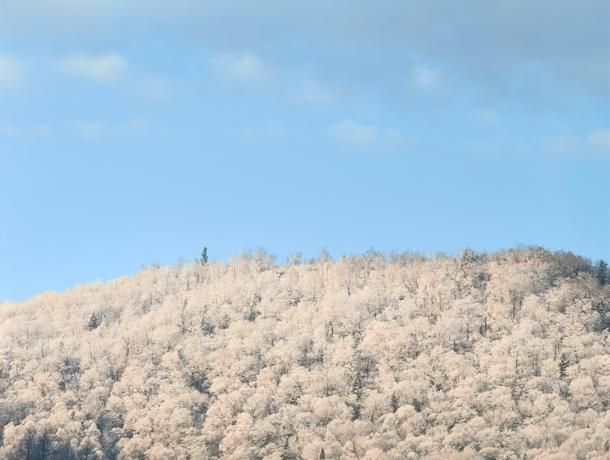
(490, 356)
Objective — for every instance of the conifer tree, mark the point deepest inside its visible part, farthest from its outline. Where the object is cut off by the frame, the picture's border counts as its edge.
(94, 321)
(564, 363)
(204, 256)
(602, 272)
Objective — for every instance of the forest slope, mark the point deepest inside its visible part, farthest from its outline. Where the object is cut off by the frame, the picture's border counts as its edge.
(494, 356)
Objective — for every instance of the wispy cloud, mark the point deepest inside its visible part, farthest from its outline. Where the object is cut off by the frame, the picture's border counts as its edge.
(425, 78)
(500, 145)
(562, 145)
(100, 68)
(12, 73)
(394, 139)
(87, 130)
(93, 131)
(485, 116)
(361, 136)
(245, 67)
(312, 92)
(135, 126)
(557, 145)
(569, 47)
(29, 131)
(269, 130)
(596, 142)
(153, 89)
(100, 131)
(600, 140)
(354, 134)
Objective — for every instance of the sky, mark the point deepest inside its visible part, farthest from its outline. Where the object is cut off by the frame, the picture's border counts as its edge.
(138, 132)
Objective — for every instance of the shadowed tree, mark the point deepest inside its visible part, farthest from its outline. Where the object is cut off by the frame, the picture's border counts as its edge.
(601, 271)
(204, 256)
(94, 321)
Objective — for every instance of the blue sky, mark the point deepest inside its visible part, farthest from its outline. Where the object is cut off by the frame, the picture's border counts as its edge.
(137, 132)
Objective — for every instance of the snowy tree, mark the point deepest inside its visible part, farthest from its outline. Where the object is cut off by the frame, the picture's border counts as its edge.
(395, 356)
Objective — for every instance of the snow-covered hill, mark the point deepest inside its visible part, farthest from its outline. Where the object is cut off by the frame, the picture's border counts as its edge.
(494, 356)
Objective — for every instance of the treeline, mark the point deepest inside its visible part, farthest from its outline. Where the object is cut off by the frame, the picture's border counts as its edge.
(393, 356)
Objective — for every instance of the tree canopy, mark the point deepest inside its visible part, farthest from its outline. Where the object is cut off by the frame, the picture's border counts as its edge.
(395, 356)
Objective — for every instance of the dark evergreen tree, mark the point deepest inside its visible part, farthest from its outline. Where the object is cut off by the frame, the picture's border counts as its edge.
(601, 306)
(207, 328)
(394, 402)
(204, 256)
(94, 321)
(602, 272)
(564, 363)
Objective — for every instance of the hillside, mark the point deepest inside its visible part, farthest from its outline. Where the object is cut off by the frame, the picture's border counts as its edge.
(491, 356)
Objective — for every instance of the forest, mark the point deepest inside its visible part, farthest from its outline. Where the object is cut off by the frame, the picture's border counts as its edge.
(501, 355)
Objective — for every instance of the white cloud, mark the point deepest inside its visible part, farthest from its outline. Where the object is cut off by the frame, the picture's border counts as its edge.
(136, 126)
(354, 134)
(597, 141)
(485, 116)
(100, 68)
(555, 145)
(425, 78)
(245, 67)
(501, 145)
(93, 131)
(29, 131)
(154, 89)
(562, 144)
(394, 139)
(472, 42)
(12, 73)
(600, 140)
(99, 131)
(360, 136)
(312, 92)
(270, 130)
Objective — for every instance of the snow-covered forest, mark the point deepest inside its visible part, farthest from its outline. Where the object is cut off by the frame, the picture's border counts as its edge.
(379, 356)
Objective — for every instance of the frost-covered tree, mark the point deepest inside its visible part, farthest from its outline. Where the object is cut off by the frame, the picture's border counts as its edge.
(502, 355)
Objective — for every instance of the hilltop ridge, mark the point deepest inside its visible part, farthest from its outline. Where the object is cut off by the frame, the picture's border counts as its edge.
(502, 355)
